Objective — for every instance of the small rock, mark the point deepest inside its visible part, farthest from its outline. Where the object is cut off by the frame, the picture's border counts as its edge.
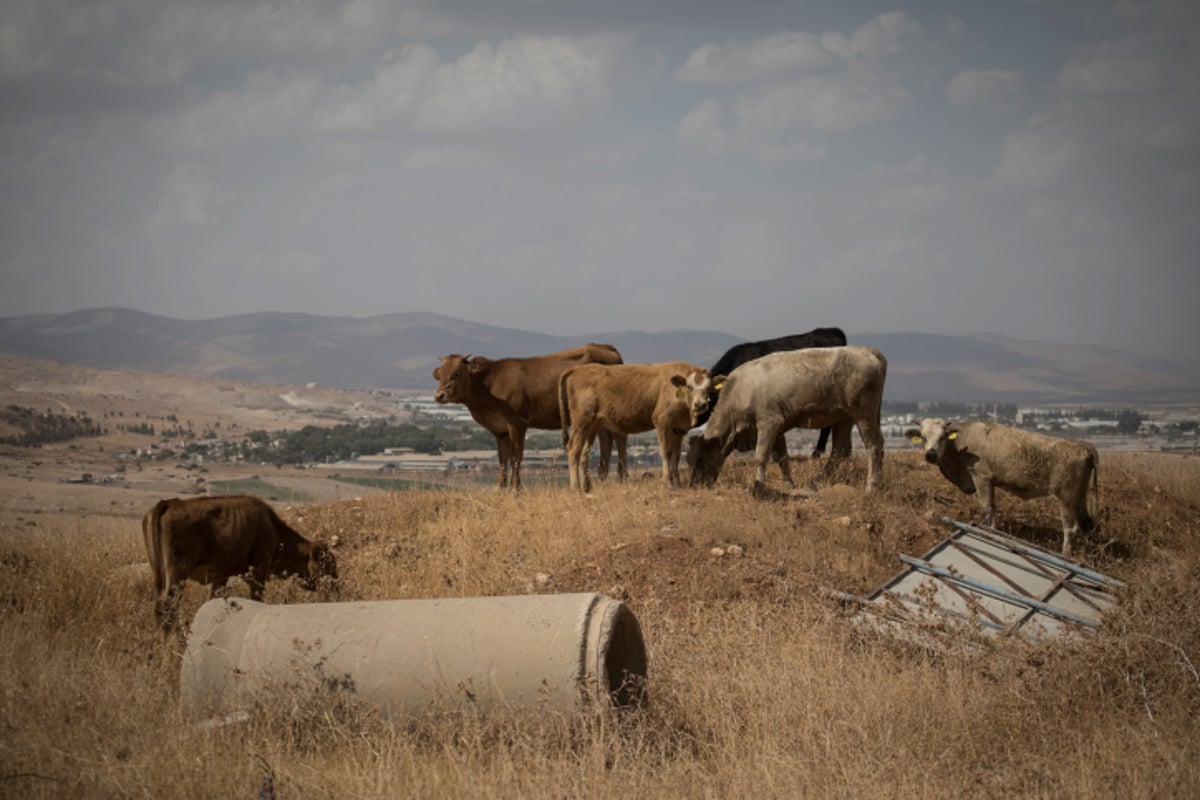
(845, 521)
(735, 550)
(717, 552)
(541, 579)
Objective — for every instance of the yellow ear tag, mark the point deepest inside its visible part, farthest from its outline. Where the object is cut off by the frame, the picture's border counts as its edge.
(717, 387)
(917, 439)
(952, 436)
(681, 393)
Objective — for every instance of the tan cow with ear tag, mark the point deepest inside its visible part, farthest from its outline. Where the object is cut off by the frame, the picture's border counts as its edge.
(631, 398)
(977, 456)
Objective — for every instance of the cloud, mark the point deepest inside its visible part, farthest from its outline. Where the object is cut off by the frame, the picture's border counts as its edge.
(791, 52)
(524, 82)
(700, 129)
(914, 199)
(817, 104)
(989, 89)
(886, 35)
(189, 197)
(1110, 68)
(780, 104)
(22, 40)
(737, 62)
(1038, 155)
(267, 105)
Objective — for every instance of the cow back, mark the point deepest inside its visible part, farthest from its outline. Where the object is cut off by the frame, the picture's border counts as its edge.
(528, 387)
(742, 353)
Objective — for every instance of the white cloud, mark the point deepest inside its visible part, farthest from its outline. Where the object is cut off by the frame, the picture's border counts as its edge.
(23, 45)
(701, 131)
(792, 52)
(448, 158)
(1110, 68)
(991, 89)
(737, 62)
(268, 104)
(817, 104)
(886, 35)
(275, 265)
(1038, 155)
(914, 199)
(189, 197)
(521, 83)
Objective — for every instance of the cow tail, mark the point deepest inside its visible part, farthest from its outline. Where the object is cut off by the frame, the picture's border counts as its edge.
(152, 533)
(564, 408)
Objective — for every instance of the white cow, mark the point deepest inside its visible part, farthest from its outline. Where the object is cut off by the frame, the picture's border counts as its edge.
(977, 456)
(840, 387)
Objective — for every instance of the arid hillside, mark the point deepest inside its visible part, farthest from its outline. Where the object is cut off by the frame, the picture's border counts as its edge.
(759, 685)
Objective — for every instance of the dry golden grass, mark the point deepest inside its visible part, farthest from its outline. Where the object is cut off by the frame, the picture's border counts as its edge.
(759, 687)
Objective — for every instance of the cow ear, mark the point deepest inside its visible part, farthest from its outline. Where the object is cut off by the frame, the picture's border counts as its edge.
(914, 436)
(718, 381)
(952, 435)
(679, 380)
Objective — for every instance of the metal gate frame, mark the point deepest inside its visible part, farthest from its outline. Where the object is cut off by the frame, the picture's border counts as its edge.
(982, 579)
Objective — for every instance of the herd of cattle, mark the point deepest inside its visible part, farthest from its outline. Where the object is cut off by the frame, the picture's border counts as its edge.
(748, 400)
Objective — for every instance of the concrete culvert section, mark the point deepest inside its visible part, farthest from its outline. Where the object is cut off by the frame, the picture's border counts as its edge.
(405, 657)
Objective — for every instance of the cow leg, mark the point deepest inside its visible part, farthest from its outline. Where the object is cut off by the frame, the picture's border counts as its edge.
(779, 453)
(764, 445)
(516, 437)
(670, 445)
(256, 579)
(822, 440)
(504, 454)
(985, 488)
(606, 443)
(872, 438)
(166, 608)
(578, 447)
(841, 446)
(622, 442)
(1075, 520)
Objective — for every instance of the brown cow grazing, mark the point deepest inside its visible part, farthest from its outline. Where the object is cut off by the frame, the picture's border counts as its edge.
(977, 456)
(212, 539)
(840, 387)
(510, 395)
(630, 398)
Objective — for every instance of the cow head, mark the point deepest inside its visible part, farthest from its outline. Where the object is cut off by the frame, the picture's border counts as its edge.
(321, 564)
(453, 377)
(695, 390)
(704, 457)
(936, 435)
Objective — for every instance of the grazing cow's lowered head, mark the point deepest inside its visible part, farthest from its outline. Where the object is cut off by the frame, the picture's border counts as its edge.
(311, 562)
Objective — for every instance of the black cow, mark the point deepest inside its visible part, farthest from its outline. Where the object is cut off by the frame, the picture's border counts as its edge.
(748, 351)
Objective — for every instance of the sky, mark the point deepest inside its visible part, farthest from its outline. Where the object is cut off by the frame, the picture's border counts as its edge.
(1011, 167)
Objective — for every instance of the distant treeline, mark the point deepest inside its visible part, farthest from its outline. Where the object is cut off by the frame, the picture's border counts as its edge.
(38, 427)
(317, 444)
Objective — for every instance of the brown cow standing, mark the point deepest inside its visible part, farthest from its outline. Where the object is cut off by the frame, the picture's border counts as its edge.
(977, 456)
(212, 539)
(510, 395)
(631, 398)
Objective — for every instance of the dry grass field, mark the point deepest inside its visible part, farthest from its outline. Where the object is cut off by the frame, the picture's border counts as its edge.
(759, 686)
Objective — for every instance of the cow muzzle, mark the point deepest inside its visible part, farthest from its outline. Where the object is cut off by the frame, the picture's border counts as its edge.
(931, 456)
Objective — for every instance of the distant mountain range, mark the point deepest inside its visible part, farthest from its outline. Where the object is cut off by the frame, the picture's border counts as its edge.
(400, 351)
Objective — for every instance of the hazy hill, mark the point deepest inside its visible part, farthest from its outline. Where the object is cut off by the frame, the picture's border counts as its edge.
(401, 350)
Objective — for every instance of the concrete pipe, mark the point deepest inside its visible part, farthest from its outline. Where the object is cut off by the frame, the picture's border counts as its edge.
(405, 657)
